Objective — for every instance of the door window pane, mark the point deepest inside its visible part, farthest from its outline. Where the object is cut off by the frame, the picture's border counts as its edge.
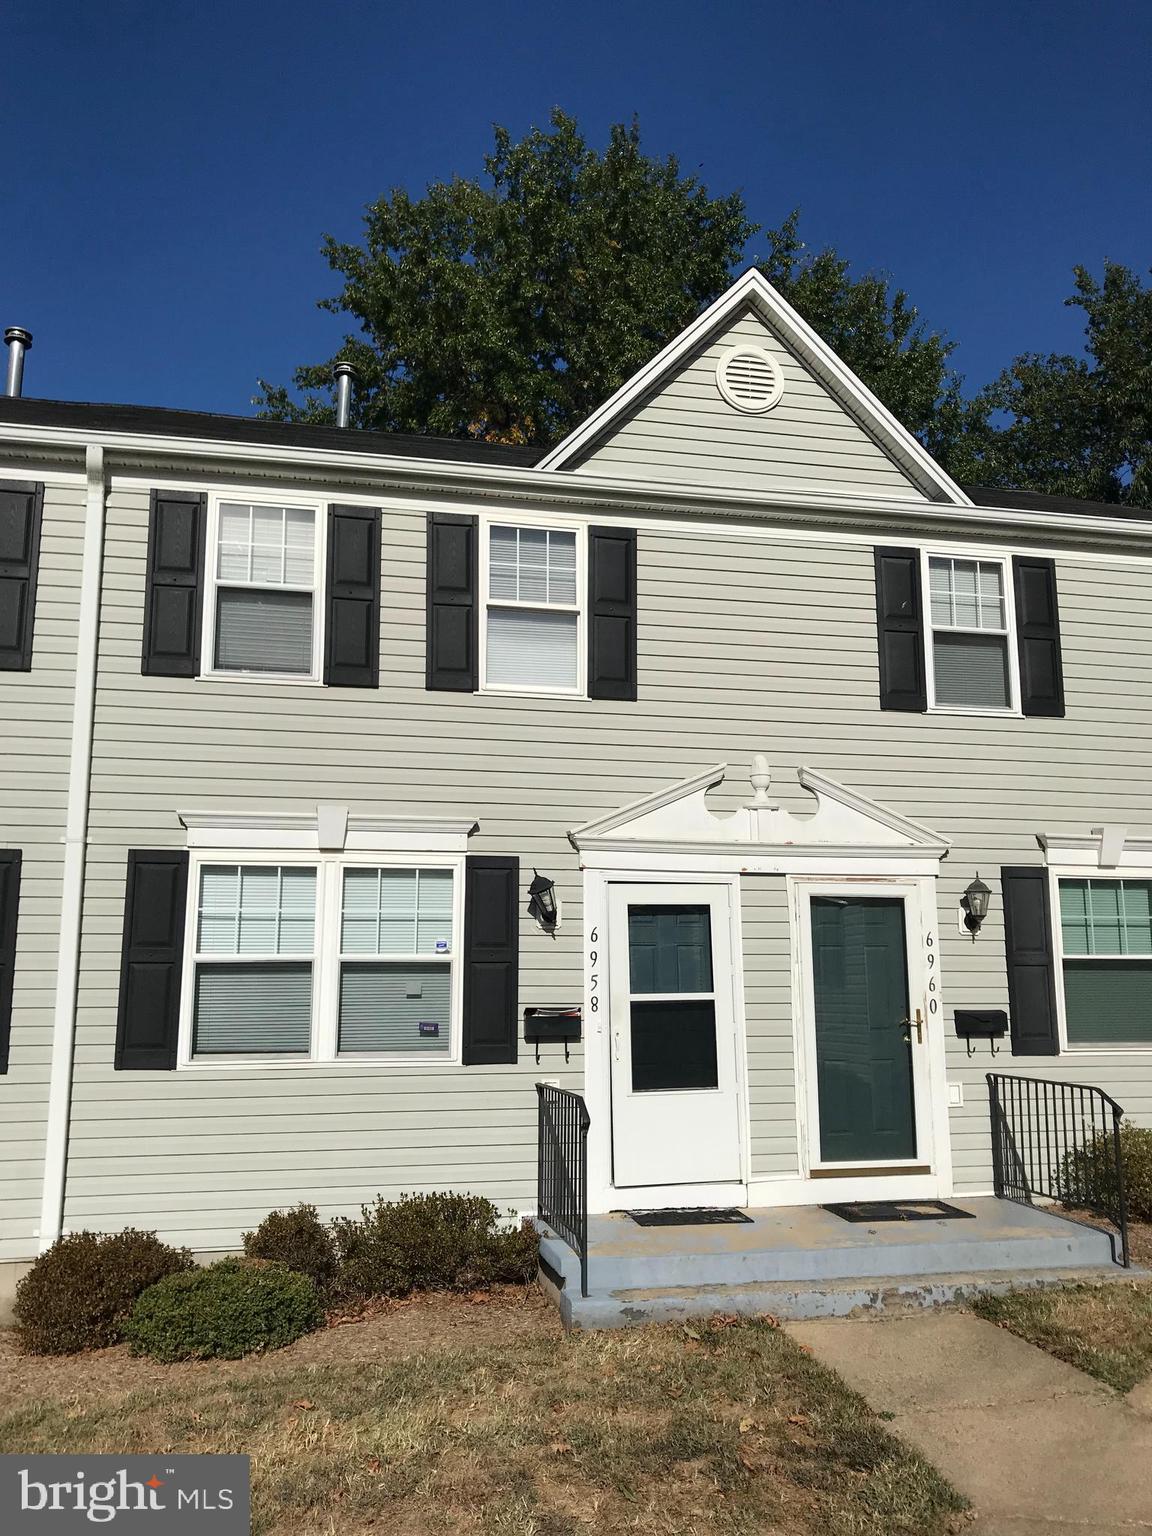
(674, 1045)
(670, 949)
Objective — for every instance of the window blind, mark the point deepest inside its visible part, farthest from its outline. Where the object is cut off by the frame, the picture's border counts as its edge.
(531, 649)
(249, 1009)
(971, 670)
(256, 910)
(1108, 1002)
(533, 565)
(397, 912)
(383, 1006)
(263, 631)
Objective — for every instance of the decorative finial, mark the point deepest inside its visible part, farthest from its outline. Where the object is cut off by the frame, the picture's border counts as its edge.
(760, 778)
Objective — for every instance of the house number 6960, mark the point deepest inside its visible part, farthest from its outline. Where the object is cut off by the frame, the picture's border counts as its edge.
(933, 1000)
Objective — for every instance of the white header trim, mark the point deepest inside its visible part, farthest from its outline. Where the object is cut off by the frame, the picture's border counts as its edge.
(755, 291)
(329, 828)
(1101, 848)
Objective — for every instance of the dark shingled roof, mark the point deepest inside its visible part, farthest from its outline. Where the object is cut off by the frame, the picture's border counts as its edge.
(160, 420)
(157, 420)
(1040, 501)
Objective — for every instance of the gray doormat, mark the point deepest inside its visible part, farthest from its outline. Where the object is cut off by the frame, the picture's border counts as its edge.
(899, 1210)
(704, 1216)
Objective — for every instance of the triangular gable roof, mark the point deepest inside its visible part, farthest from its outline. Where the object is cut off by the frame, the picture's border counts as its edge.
(844, 821)
(754, 291)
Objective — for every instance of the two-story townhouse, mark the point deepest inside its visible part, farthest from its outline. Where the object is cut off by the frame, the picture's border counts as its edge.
(736, 676)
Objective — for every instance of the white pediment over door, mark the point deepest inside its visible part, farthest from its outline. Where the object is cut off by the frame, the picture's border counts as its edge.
(847, 832)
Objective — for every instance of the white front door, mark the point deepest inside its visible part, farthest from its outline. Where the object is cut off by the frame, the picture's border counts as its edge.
(675, 1101)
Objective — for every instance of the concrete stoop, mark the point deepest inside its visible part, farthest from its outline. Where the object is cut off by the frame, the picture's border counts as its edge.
(803, 1262)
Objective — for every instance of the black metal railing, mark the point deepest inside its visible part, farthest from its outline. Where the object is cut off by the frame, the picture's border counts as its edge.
(1060, 1141)
(562, 1168)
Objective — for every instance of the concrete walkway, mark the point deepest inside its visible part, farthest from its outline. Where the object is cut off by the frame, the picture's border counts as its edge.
(1038, 1447)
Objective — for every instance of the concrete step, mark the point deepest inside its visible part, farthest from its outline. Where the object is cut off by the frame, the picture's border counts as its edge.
(624, 1257)
(792, 1300)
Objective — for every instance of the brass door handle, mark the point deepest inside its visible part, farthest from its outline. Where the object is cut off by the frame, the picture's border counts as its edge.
(916, 1023)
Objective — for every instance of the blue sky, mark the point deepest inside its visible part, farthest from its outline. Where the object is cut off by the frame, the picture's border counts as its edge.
(169, 168)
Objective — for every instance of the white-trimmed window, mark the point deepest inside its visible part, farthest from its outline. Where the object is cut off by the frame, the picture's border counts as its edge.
(972, 661)
(533, 621)
(339, 956)
(1106, 961)
(264, 606)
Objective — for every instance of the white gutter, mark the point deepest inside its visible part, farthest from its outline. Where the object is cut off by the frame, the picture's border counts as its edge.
(564, 487)
(75, 847)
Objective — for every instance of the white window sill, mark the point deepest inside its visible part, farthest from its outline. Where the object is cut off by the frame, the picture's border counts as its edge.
(1142, 1049)
(973, 713)
(300, 1064)
(530, 693)
(279, 678)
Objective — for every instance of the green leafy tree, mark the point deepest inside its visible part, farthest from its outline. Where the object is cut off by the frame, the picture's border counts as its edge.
(510, 310)
(1076, 426)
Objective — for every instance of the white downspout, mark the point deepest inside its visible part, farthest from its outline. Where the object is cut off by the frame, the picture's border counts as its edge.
(75, 849)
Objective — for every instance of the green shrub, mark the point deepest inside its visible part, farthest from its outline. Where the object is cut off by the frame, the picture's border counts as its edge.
(430, 1242)
(77, 1293)
(1088, 1173)
(299, 1240)
(229, 1309)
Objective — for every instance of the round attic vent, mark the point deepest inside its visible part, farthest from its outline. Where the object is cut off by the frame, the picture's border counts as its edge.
(750, 379)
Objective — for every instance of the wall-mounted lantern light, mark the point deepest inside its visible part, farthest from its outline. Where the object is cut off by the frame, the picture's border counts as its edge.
(542, 901)
(975, 905)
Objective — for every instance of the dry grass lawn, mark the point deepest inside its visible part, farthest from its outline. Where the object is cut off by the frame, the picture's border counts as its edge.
(440, 1417)
(1105, 1330)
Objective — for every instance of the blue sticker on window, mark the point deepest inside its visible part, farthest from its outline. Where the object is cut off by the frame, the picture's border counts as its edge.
(429, 1027)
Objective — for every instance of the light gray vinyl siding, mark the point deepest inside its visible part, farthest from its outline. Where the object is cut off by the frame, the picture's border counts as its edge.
(36, 711)
(768, 1024)
(745, 644)
(687, 432)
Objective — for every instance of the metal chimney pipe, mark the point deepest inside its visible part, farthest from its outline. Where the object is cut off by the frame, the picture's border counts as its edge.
(345, 376)
(17, 340)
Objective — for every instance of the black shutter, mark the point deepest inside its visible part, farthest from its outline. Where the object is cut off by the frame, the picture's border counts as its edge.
(172, 606)
(451, 644)
(1038, 636)
(611, 613)
(900, 630)
(152, 960)
(9, 902)
(1031, 965)
(491, 960)
(352, 640)
(21, 509)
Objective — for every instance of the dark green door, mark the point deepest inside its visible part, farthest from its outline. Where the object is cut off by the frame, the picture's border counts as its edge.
(863, 1058)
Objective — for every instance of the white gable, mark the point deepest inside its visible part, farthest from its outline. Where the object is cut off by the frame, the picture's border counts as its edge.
(825, 433)
(760, 836)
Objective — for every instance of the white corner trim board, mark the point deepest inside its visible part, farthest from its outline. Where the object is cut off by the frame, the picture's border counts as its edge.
(329, 828)
(75, 846)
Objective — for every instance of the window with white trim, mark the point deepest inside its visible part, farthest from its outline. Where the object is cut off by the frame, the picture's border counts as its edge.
(265, 605)
(1106, 945)
(532, 619)
(334, 958)
(972, 663)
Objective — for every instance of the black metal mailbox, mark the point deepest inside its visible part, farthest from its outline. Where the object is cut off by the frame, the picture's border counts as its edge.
(552, 1024)
(989, 1024)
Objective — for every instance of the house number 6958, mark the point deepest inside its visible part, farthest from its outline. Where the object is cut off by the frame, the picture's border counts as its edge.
(593, 974)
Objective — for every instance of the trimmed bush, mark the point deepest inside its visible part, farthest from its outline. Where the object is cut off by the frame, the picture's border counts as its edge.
(430, 1242)
(233, 1308)
(1088, 1172)
(299, 1240)
(77, 1294)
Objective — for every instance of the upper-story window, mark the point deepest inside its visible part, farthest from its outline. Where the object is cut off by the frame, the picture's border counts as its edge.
(972, 658)
(263, 602)
(533, 618)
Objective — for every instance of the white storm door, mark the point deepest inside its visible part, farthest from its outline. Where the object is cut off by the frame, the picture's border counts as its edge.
(675, 1102)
